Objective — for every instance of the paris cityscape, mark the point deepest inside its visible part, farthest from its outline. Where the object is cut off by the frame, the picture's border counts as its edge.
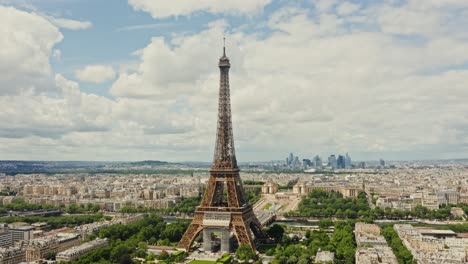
(224, 132)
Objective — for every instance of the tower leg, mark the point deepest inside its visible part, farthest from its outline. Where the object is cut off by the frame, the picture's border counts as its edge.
(241, 231)
(243, 236)
(191, 233)
(207, 243)
(225, 241)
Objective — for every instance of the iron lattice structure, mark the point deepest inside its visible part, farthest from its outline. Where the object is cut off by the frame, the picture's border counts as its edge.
(224, 192)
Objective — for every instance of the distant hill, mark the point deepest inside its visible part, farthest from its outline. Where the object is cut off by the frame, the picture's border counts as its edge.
(149, 163)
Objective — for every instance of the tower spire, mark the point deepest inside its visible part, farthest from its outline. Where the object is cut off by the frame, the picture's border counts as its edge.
(224, 46)
(224, 156)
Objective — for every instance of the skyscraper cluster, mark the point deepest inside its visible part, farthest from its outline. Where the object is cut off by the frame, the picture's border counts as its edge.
(335, 162)
(340, 162)
(293, 161)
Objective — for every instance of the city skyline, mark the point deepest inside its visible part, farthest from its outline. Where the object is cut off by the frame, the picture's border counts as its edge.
(135, 80)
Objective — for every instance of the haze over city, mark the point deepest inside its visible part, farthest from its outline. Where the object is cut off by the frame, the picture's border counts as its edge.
(94, 80)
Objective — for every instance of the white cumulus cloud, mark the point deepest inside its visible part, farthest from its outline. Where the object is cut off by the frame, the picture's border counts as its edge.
(95, 73)
(163, 8)
(69, 23)
(23, 116)
(347, 8)
(26, 45)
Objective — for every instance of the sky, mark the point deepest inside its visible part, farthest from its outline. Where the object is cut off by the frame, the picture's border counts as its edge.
(138, 79)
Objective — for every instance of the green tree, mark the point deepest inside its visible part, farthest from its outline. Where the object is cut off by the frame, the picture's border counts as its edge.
(325, 223)
(163, 255)
(150, 257)
(276, 232)
(174, 231)
(401, 252)
(244, 252)
(118, 252)
(142, 245)
(140, 253)
(125, 259)
(152, 241)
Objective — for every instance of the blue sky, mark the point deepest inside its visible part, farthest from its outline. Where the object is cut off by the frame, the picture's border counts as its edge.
(118, 31)
(137, 79)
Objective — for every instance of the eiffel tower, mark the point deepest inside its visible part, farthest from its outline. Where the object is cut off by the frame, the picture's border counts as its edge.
(223, 209)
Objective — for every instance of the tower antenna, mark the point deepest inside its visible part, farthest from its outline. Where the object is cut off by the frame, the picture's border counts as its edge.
(224, 45)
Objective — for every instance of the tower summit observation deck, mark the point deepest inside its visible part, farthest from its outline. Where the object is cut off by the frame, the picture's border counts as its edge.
(223, 209)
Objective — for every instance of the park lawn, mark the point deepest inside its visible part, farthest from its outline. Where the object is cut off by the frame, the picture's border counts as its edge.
(202, 262)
